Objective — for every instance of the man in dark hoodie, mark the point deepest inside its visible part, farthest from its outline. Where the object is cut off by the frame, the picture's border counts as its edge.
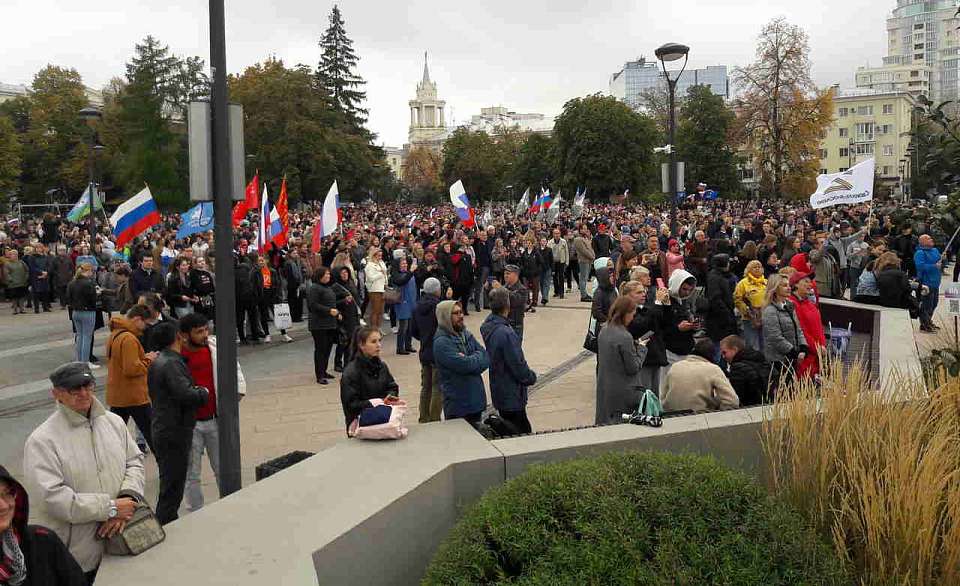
(460, 362)
(30, 554)
(748, 371)
(509, 374)
(423, 328)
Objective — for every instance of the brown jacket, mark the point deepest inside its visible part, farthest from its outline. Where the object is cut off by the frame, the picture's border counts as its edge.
(126, 366)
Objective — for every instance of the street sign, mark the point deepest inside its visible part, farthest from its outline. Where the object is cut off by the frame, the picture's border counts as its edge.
(952, 296)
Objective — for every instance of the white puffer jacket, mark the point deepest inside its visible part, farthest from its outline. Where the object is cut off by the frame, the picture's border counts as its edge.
(74, 467)
(376, 276)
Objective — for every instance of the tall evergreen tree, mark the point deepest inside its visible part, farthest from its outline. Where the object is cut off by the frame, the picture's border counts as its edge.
(336, 72)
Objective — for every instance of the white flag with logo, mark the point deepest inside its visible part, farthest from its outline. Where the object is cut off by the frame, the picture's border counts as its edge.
(855, 185)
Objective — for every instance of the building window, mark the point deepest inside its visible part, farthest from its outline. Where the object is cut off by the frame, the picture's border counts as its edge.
(823, 171)
(888, 108)
(865, 111)
(918, 46)
(887, 128)
(842, 169)
(918, 57)
(746, 174)
(865, 148)
(823, 153)
(843, 112)
(844, 132)
(844, 152)
(886, 170)
(864, 131)
(918, 27)
(888, 150)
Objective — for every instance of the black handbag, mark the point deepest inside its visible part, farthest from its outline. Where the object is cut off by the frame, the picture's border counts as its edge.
(591, 341)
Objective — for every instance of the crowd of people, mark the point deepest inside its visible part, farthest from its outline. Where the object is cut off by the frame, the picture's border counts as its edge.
(714, 314)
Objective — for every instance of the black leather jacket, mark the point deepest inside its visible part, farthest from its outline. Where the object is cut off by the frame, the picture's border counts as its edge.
(174, 396)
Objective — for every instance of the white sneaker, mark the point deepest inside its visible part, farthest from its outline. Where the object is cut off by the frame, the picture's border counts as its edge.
(267, 339)
(394, 329)
(287, 338)
(93, 366)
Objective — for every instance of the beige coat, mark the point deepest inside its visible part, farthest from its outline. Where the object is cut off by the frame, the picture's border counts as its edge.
(74, 467)
(699, 385)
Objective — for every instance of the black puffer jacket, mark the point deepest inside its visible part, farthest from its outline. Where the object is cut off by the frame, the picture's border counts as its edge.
(48, 561)
(721, 321)
(174, 397)
(364, 379)
(320, 300)
(424, 326)
(894, 289)
(749, 375)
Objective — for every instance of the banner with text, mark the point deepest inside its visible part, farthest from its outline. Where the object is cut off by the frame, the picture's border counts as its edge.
(855, 185)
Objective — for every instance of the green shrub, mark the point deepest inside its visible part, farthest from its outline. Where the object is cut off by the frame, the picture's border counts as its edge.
(635, 518)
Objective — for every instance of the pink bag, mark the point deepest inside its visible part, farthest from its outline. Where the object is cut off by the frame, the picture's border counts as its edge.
(392, 429)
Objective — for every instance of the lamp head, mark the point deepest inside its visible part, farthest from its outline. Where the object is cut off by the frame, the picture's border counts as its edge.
(672, 52)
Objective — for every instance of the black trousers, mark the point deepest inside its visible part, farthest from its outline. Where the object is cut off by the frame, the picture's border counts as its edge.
(572, 272)
(322, 345)
(463, 297)
(558, 277)
(41, 298)
(142, 416)
(518, 419)
(296, 304)
(173, 458)
(247, 308)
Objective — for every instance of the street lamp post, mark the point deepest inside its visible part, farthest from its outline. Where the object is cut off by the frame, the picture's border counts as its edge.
(91, 116)
(673, 52)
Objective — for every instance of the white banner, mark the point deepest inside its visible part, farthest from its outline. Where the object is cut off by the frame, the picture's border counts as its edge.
(855, 185)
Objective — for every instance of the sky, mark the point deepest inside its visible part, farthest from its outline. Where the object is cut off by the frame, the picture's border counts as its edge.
(527, 55)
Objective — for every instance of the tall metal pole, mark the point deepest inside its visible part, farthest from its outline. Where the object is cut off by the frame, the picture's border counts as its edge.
(673, 158)
(92, 190)
(228, 411)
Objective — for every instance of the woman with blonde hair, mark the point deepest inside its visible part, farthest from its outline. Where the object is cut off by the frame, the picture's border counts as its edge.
(783, 341)
(376, 275)
(748, 299)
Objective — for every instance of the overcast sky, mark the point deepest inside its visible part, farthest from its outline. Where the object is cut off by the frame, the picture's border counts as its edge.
(528, 55)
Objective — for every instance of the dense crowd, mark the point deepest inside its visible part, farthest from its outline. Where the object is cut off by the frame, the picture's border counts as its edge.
(714, 315)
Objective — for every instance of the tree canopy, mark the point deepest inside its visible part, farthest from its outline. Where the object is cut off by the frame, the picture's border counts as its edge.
(704, 141)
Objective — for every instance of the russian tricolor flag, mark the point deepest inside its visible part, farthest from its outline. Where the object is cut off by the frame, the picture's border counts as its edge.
(542, 203)
(133, 217)
(458, 197)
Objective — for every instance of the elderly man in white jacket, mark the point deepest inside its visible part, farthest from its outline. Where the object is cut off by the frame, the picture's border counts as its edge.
(83, 468)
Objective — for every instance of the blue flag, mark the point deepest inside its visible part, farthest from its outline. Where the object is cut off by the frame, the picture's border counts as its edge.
(197, 219)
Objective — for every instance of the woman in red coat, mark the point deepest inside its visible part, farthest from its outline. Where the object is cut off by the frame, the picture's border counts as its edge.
(804, 299)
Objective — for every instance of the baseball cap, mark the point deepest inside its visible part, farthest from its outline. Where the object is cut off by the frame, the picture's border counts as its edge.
(72, 375)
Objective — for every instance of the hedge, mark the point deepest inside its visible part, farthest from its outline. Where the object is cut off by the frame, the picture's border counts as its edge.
(633, 518)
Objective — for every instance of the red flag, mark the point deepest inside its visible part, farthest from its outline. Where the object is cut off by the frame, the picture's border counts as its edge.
(281, 238)
(315, 245)
(251, 199)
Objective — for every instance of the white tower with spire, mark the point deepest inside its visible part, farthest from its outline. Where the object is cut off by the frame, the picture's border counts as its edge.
(428, 124)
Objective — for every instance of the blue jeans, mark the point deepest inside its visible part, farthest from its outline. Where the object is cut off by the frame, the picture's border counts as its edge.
(584, 277)
(83, 323)
(752, 336)
(478, 296)
(546, 281)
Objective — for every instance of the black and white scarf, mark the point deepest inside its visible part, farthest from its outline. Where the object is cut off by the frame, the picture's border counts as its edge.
(13, 568)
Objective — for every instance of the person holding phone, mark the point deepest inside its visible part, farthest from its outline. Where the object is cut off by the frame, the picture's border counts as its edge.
(367, 376)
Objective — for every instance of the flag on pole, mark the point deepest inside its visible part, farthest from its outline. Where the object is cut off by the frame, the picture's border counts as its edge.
(855, 185)
(523, 204)
(281, 210)
(275, 233)
(488, 215)
(82, 207)
(553, 211)
(263, 231)
(458, 197)
(249, 202)
(579, 198)
(542, 203)
(133, 217)
(329, 217)
(197, 219)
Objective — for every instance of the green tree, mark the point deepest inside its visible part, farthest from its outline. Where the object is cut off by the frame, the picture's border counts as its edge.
(479, 160)
(604, 146)
(52, 136)
(336, 71)
(535, 164)
(10, 157)
(704, 141)
(421, 173)
(291, 129)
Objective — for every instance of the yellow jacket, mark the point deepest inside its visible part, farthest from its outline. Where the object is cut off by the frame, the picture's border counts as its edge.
(749, 291)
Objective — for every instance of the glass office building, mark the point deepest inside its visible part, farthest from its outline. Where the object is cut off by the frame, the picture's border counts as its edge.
(637, 76)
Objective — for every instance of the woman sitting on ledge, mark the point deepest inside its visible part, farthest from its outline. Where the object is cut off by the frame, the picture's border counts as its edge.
(366, 377)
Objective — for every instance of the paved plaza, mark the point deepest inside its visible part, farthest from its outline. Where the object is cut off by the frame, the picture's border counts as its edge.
(285, 409)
